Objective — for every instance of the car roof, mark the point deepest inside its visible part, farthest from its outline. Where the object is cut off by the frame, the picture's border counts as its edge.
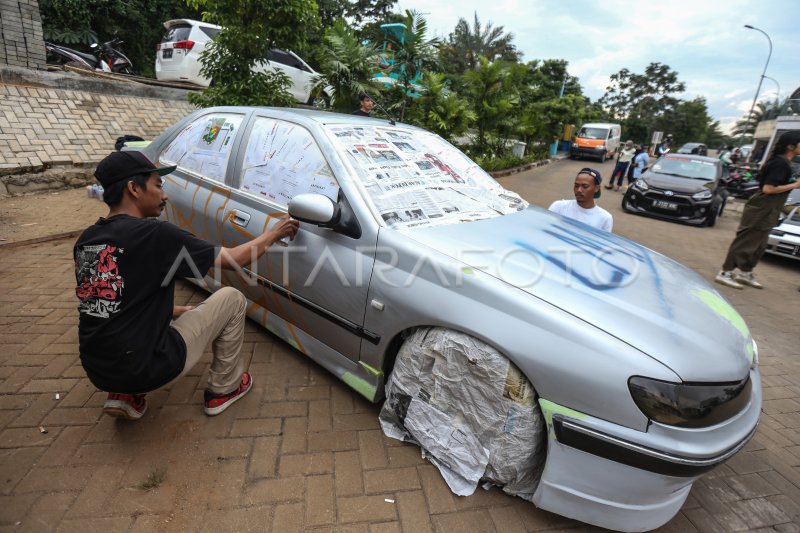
(690, 156)
(313, 116)
(694, 144)
(177, 22)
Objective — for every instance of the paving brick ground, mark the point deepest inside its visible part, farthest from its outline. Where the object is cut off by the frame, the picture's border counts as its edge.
(303, 452)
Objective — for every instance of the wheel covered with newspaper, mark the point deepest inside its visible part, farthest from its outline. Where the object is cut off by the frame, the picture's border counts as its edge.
(470, 409)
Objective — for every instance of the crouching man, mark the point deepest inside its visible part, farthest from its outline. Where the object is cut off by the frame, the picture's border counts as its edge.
(133, 339)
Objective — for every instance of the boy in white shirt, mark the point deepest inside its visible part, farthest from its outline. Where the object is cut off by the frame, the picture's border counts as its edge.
(583, 208)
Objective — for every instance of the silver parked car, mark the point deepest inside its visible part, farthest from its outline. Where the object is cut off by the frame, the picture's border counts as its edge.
(784, 239)
(597, 378)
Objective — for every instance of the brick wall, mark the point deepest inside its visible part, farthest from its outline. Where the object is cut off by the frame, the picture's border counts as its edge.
(21, 41)
(52, 137)
(43, 126)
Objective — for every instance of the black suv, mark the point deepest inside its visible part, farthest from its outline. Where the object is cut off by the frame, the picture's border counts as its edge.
(680, 187)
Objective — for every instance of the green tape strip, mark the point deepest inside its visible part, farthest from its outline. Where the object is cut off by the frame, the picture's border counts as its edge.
(549, 409)
(360, 385)
(371, 369)
(720, 306)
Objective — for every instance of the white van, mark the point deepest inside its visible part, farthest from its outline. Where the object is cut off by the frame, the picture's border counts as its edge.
(178, 58)
(597, 140)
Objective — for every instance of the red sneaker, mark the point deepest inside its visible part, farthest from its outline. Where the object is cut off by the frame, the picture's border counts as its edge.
(216, 403)
(127, 406)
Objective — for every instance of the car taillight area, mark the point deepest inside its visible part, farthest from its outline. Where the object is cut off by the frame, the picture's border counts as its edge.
(183, 45)
(690, 405)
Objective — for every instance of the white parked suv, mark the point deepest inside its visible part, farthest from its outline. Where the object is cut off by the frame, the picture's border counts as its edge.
(178, 58)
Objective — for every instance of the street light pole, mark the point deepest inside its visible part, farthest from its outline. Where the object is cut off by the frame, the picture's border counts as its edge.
(760, 80)
(778, 94)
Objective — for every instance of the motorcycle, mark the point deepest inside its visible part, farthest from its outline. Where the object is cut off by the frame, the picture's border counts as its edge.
(104, 57)
(740, 183)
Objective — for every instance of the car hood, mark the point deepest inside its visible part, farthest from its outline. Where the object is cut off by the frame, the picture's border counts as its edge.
(643, 298)
(674, 183)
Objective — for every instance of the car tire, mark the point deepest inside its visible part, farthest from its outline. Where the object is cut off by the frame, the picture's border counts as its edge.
(441, 371)
(603, 157)
(322, 101)
(711, 219)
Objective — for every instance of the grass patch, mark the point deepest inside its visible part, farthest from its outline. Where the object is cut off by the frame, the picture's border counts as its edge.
(153, 480)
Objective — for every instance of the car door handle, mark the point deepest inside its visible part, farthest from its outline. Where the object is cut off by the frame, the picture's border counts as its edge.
(240, 218)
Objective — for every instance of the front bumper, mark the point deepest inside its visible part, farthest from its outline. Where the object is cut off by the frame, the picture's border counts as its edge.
(579, 151)
(787, 245)
(686, 209)
(623, 479)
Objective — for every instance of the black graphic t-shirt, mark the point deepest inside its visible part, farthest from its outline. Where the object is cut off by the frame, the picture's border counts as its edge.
(125, 269)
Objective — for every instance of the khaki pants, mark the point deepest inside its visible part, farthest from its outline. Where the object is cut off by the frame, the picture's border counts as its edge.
(218, 320)
(760, 215)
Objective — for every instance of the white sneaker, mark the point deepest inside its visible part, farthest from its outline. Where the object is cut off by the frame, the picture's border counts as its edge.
(748, 278)
(725, 277)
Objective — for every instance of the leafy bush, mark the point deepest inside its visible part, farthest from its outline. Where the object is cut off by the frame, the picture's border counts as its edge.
(502, 162)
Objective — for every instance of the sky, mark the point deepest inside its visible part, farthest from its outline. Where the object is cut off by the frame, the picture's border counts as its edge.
(704, 41)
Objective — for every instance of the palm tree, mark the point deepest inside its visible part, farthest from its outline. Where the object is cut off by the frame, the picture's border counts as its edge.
(347, 68)
(414, 52)
(467, 44)
(763, 111)
(493, 98)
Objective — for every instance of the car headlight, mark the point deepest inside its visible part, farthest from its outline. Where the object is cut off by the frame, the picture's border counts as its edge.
(754, 361)
(702, 195)
(641, 184)
(689, 404)
(777, 233)
(601, 147)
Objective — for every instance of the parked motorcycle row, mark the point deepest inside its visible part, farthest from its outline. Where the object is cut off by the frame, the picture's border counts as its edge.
(106, 57)
(740, 182)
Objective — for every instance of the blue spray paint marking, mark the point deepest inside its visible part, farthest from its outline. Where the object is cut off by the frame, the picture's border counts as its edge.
(594, 242)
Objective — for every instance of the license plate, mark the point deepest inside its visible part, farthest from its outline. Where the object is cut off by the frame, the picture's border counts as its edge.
(662, 204)
(166, 53)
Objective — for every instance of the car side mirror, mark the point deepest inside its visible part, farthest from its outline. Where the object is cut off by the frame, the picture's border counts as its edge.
(314, 209)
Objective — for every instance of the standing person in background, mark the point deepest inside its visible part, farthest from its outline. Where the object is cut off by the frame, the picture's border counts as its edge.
(664, 147)
(761, 214)
(638, 163)
(725, 157)
(621, 168)
(583, 208)
(366, 106)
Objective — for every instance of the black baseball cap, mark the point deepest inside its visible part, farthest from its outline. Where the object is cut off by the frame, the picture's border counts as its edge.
(594, 174)
(120, 165)
(364, 96)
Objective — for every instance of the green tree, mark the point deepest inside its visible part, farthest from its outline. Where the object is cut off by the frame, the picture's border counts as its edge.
(641, 101)
(467, 44)
(347, 67)
(249, 31)
(746, 126)
(494, 98)
(441, 110)
(413, 54)
(139, 23)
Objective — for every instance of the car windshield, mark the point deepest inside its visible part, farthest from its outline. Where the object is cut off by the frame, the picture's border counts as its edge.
(687, 148)
(593, 133)
(414, 178)
(688, 168)
(178, 32)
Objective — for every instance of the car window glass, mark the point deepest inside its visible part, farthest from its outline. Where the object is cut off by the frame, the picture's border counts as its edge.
(281, 160)
(690, 168)
(203, 147)
(593, 133)
(211, 32)
(279, 56)
(415, 178)
(177, 33)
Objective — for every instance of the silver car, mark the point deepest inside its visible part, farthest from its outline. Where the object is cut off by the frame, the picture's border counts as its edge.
(633, 375)
(784, 239)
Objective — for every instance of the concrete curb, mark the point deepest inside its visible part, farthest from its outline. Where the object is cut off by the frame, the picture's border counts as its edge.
(517, 170)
